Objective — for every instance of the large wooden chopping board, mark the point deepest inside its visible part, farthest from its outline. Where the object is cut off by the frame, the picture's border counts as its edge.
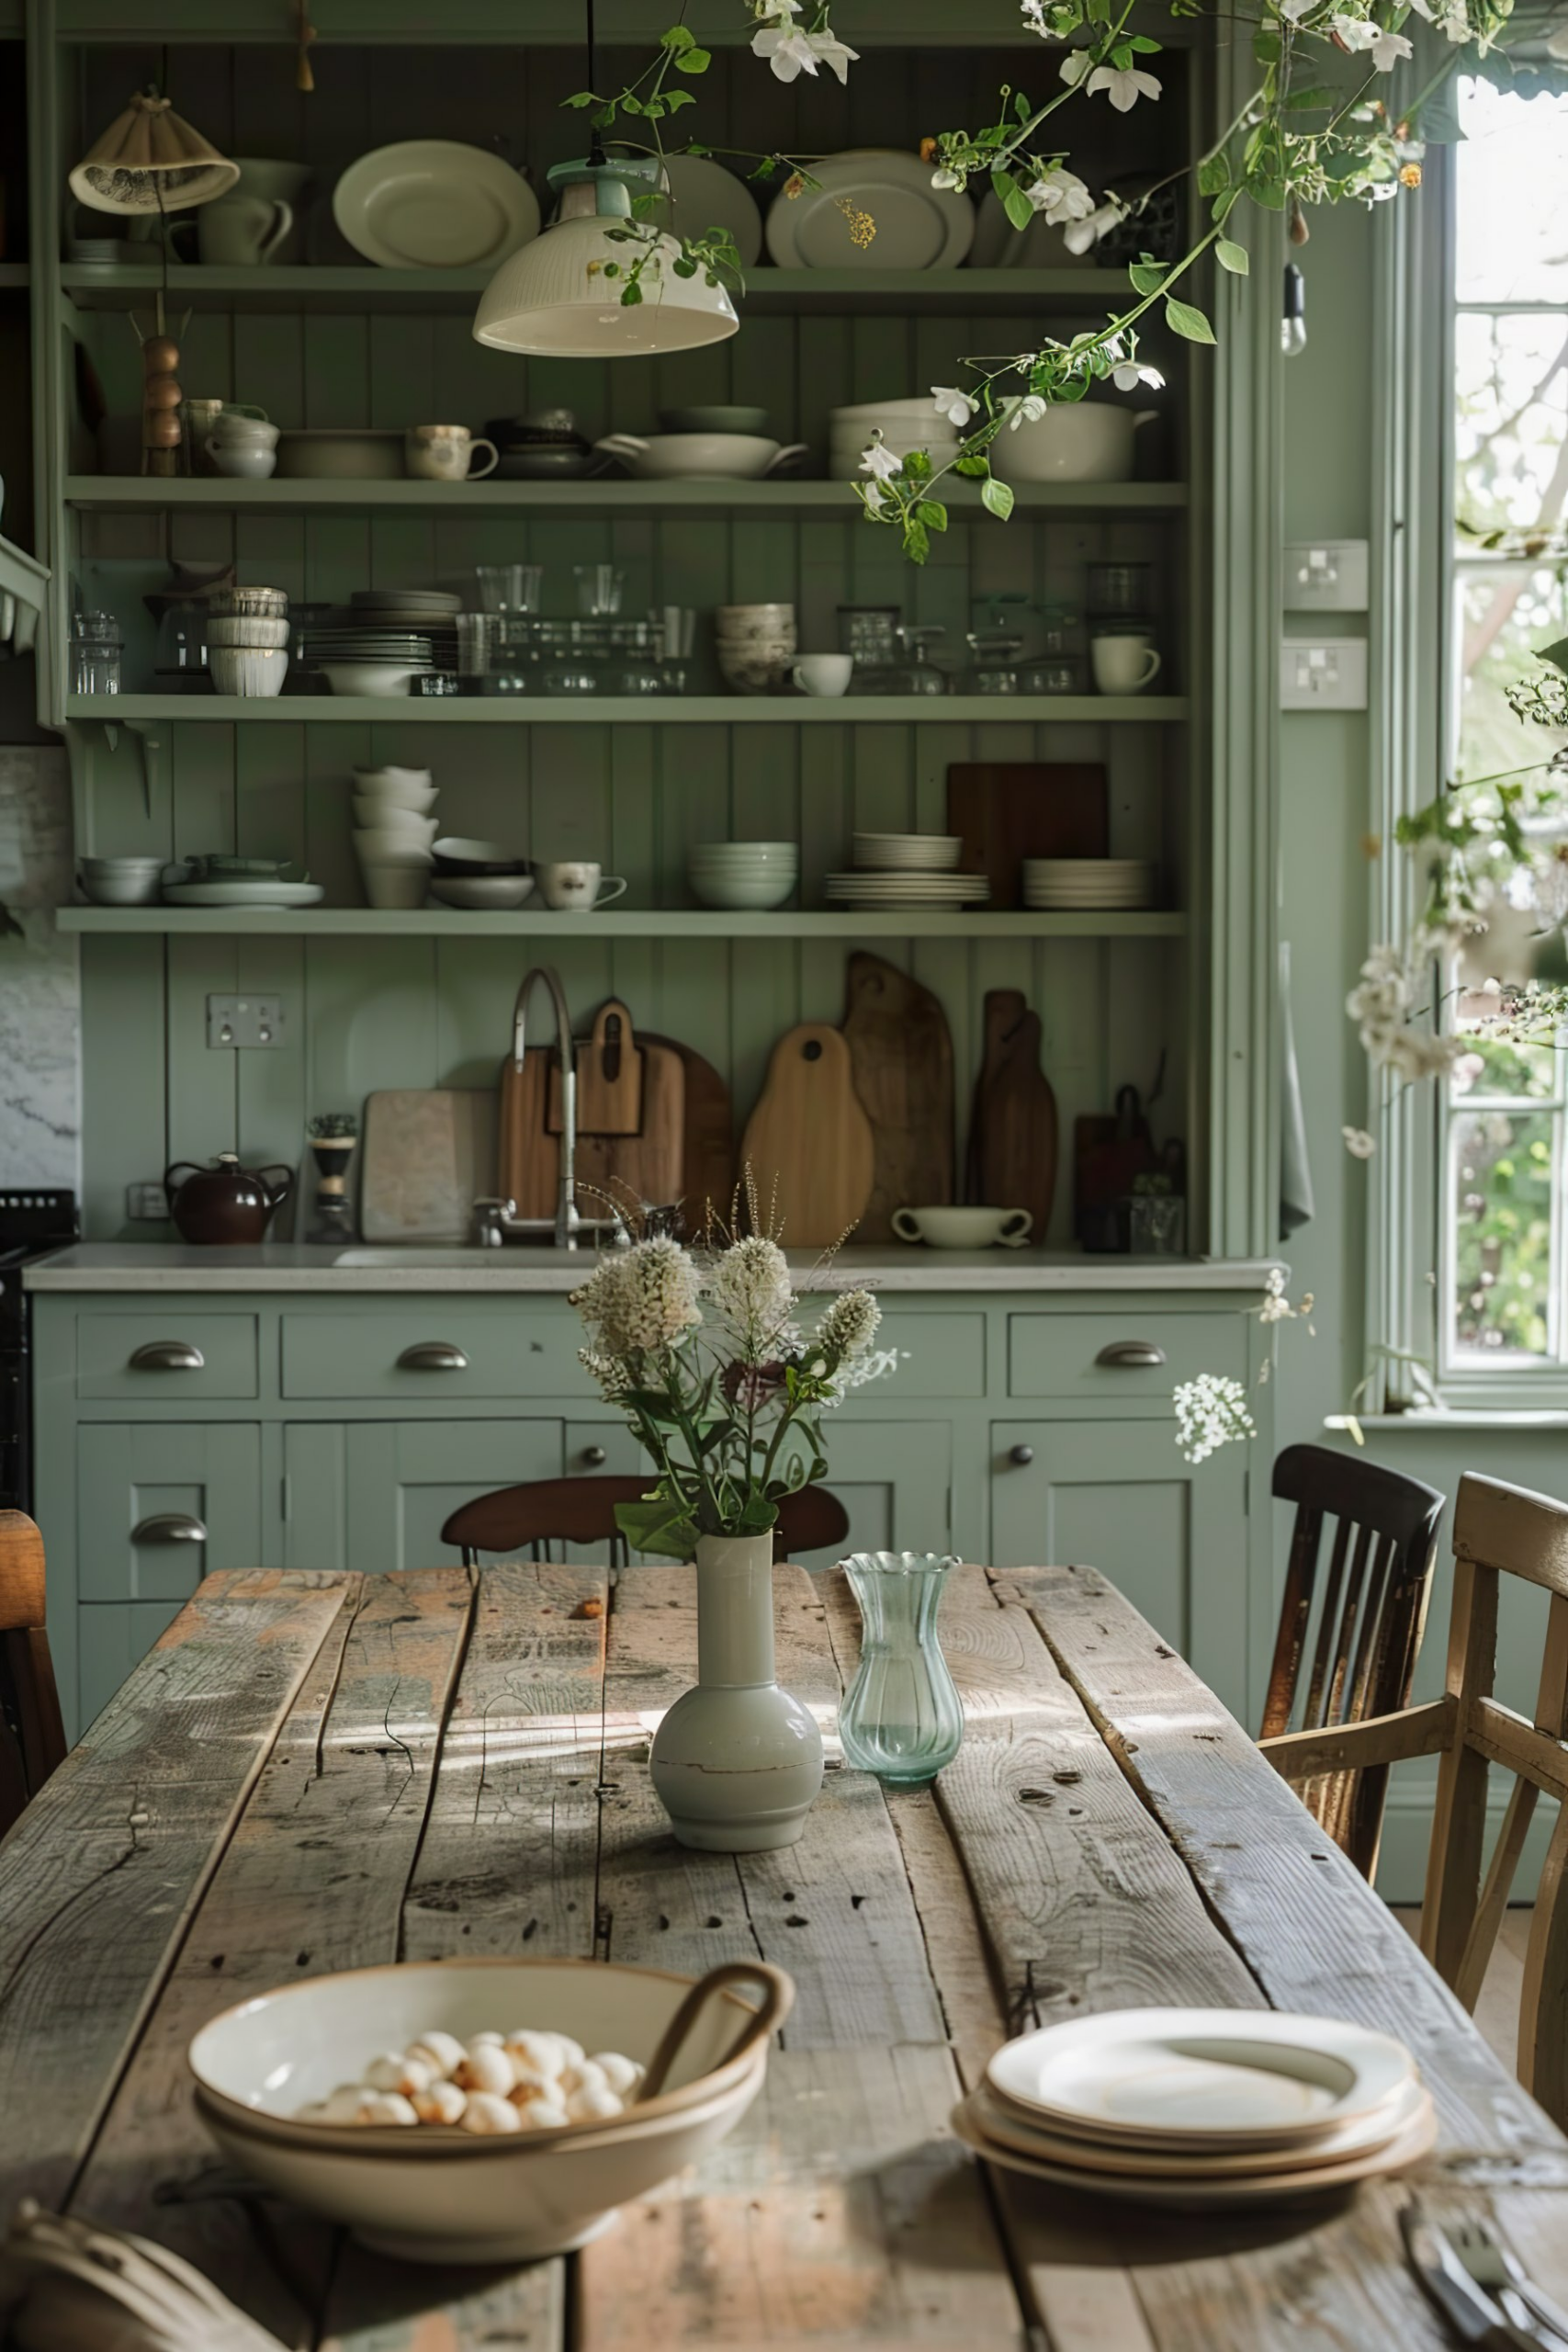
(610, 1168)
(429, 1154)
(901, 1053)
(808, 1143)
(707, 1149)
(1012, 1139)
(1007, 810)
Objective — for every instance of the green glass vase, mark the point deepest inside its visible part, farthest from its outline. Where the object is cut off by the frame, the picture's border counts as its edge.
(903, 1719)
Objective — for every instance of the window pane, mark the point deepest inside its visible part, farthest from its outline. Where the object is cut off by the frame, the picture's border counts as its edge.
(1510, 418)
(1501, 1203)
(1490, 1069)
(1512, 168)
(1504, 616)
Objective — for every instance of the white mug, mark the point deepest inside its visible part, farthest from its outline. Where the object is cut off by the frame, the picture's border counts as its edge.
(445, 453)
(823, 674)
(240, 230)
(1123, 664)
(572, 888)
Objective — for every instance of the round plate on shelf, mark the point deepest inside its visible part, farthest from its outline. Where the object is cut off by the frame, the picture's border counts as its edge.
(434, 204)
(703, 195)
(279, 895)
(916, 226)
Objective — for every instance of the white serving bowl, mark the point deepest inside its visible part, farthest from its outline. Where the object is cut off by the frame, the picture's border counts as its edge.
(386, 817)
(252, 670)
(123, 890)
(123, 864)
(394, 885)
(376, 678)
(481, 893)
(251, 632)
(393, 779)
(380, 845)
(1074, 441)
(946, 1227)
(746, 853)
(739, 892)
(436, 2196)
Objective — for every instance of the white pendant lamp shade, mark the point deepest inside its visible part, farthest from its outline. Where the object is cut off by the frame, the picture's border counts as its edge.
(150, 160)
(554, 300)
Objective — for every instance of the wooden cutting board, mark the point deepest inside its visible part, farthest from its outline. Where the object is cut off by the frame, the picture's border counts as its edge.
(809, 1140)
(647, 1166)
(428, 1155)
(609, 1078)
(1011, 810)
(707, 1150)
(901, 1054)
(1012, 1138)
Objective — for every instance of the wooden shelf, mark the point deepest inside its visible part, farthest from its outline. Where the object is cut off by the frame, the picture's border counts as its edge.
(605, 494)
(364, 923)
(634, 710)
(768, 292)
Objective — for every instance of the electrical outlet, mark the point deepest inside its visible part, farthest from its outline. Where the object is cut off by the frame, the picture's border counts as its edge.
(148, 1203)
(1323, 673)
(1327, 576)
(236, 1022)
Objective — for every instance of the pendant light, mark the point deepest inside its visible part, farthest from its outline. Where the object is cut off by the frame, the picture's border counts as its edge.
(150, 160)
(560, 296)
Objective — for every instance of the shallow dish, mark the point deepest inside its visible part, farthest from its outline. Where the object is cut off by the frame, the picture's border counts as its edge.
(1001, 2121)
(700, 456)
(244, 894)
(122, 889)
(480, 893)
(434, 204)
(917, 226)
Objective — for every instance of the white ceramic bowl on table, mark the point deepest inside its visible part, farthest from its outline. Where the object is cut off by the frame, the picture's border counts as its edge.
(128, 883)
(424, 2194)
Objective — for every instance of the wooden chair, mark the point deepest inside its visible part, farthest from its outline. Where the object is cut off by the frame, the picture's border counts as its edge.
(1369, 1609)
(32, 1735)
(582, 1510)
(1498, 1530)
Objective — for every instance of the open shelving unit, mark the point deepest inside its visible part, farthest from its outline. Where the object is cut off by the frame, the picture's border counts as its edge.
(603, 494)
(631, 710)
(636, 922)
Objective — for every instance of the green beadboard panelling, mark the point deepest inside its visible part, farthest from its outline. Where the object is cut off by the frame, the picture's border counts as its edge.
(123, 1079)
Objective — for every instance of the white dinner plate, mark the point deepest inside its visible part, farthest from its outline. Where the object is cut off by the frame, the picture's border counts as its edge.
(434, 204)
(244, 894)
(703, 195)
(916, 226)
(1216, 2078)
(995, 2120)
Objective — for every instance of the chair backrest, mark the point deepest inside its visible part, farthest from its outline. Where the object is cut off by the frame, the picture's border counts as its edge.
(32, 1735)
(1348, 1639)
(582, 1510)
(1505, 1531)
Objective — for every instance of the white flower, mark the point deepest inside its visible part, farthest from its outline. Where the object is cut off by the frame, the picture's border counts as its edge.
(1060, 195)
(948, 400)
(609, 1374)
(1359, 1143)
(1075, 65)
(1294, 10)
(749, 1287)
(1211, 1411)
(791, 53)
(945, 178)
(1130, 375)
(1028, 410)
(850, 1325)
(875, 496)
(1126, 84)
(1033, 15)
(880, 463)
(644, 1297)
(1361, 36)
(1080, 236)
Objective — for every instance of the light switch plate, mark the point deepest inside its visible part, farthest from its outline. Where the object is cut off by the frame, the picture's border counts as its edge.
(233, 1022)
(1327, 576)
(1323, 673)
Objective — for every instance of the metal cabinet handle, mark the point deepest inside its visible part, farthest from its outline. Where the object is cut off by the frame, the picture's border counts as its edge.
(169, 1527)
(168, 1355)
(432, 1355)
(1131, 1355)
(1023, 1454)
(594, 1456)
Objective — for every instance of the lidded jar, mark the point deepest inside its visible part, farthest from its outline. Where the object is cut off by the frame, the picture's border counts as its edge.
(903, 1719)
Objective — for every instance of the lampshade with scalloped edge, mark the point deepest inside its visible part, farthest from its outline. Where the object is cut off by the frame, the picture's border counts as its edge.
(150, 160)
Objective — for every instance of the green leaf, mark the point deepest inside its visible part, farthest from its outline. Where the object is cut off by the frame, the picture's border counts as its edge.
(580, 98)
(694, 61)
(658, 1525)
(1020, 107)
(1213, 174)
(918, 466)
(1266, 47)
(675, 99)
(1268, 193)
(1182, 319)
(1147, 276)
(632, 295)
(1143, 45)
(631, 103)
(916, 539)
(677, 37)
(1233, 258)
(996, 497)
(686, 267)
(1556, 654)
(611, 269)
(973, 463)
(933, 514)
(1017, 207)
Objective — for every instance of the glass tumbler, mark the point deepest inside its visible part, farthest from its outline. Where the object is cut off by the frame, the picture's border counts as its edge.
(903, 1719)
(95, 650)
(599, 589)
(510, 587)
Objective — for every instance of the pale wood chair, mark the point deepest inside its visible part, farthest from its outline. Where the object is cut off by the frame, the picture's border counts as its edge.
(32, 1734)
(582, 1510)
(1348, 1639)
(1498, 1530)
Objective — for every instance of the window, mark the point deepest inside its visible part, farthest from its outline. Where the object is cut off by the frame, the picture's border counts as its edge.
(1505, 1166)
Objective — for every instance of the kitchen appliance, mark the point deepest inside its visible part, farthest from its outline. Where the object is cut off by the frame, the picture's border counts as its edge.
(34, 1219)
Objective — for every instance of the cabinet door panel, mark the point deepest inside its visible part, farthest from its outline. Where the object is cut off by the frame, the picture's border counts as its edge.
(1120, 1498)
(315, 1487)
(131, 1475)
(406, 1477)
(894, 1479)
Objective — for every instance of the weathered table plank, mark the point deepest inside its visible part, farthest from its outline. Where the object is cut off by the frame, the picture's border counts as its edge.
(100, 1876)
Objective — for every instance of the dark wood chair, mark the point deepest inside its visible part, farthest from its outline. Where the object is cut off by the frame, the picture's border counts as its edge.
(32, 1735)
(582, 1510)
(1348, 1640)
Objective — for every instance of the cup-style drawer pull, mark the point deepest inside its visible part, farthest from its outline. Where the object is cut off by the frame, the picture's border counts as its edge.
(1131, 1355)
(169, 1527)
(595, 1457)
(168, 1355)
(432, 1355)
(1020, 1455)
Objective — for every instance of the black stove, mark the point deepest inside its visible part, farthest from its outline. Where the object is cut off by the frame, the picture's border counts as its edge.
(32, 1222)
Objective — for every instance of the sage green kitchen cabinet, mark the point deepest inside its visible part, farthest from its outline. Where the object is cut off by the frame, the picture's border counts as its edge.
(405, 1478)
(1119, 1497)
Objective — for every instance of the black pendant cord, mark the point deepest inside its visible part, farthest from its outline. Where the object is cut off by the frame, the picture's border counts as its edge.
(596, 143)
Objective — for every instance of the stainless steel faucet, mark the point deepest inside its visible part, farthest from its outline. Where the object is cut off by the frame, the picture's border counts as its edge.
(567, 1224)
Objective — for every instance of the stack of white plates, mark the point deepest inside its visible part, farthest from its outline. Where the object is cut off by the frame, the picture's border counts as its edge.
(907, 892)
(393, 829)
(430, 613)
(1097, 882)
(907, 853)
(904, 426)
(1200, 2107)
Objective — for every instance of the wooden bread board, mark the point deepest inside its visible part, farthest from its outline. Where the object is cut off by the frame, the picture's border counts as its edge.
(610, 1169)
(901, 1053)
(1012, 1138)
(808, 1143)
(429, 1153)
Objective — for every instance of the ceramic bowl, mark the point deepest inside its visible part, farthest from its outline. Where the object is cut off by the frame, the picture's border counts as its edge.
(727, 617)
(394, 887)
(778, 855)
(248, 630)
(243, 460)
(439, 2197)
(377, 679)
(249, 670)
(123, 890)
(234, 604)
(399, 787)
(481, 893)
(946, 1227)
(739, 891)
(1077, 441)
(382, 845)
(700, 456)
(455, 855)
(120, 864)
(385, 817)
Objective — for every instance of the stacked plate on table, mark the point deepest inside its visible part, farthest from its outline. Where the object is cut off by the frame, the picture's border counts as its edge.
(1100, 883)
(1200, 2107)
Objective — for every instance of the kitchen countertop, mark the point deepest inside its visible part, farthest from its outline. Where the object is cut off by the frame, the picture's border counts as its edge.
(171, 1266)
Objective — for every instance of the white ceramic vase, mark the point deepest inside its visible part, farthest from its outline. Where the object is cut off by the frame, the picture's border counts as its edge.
(736, 1762)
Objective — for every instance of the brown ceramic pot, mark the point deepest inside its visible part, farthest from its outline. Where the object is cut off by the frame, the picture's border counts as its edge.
(224, 1203)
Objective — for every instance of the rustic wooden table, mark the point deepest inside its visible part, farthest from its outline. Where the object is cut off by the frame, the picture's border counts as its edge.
(314, 1772)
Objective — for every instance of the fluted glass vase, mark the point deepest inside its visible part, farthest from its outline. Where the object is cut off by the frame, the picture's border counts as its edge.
(903, 1719)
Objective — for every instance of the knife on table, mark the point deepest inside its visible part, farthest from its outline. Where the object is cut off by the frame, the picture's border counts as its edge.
(1471, 2313)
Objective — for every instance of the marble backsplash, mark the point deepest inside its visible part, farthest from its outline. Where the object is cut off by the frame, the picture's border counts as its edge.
(41, 998)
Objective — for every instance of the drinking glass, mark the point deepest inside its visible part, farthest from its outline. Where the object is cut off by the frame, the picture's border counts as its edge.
(1058, 676)
(510, 587)
(95, 650)
(869, 634)
(599, 587)
(903, 1719)
(1119, 591)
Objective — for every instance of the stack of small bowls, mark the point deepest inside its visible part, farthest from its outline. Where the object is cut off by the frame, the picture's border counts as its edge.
(750, 876)
(392, 833)
(247, 640)
(122, 881)
(756, 646)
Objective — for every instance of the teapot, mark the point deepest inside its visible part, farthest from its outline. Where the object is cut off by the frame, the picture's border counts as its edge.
(225, 1202)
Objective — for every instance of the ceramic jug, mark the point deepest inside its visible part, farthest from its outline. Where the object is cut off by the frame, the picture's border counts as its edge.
(225, 1202)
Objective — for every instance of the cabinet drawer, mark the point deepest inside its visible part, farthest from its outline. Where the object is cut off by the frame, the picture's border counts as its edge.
(442, 1348)
(166, 1358)
(938, 1355)
(1107, 1357)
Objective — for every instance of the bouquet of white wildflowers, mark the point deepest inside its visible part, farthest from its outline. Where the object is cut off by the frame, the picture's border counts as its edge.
(702, 1352)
